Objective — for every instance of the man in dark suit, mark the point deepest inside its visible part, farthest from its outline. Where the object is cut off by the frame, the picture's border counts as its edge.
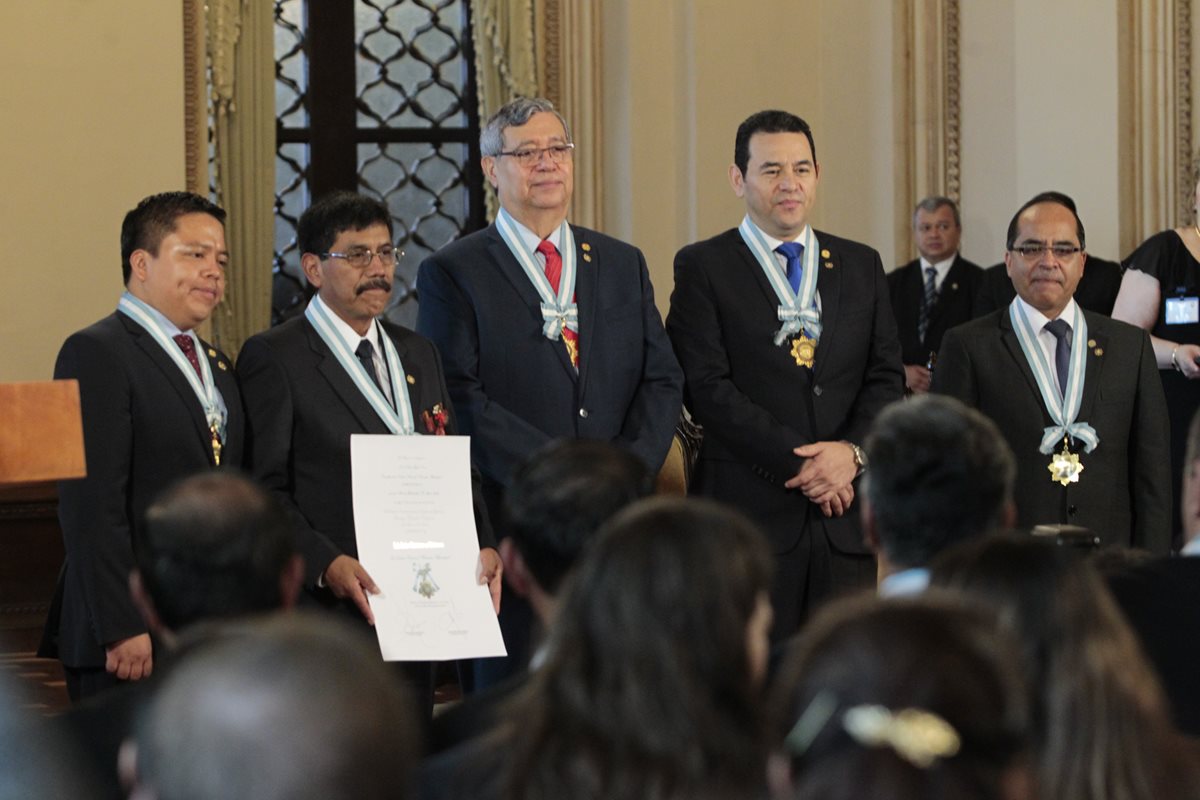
(1075, 393)
(548, 330)
(785, 406)
(158, 404)
(933, 293)
(1161, 600)
(313, 381)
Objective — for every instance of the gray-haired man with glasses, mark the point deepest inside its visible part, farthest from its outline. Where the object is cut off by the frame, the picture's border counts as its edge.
(548, 330)
(1075, 393)
(337, 370)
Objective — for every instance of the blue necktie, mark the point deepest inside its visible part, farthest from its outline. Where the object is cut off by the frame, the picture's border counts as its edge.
(927, 301)
(791, 251)
(1062, 350)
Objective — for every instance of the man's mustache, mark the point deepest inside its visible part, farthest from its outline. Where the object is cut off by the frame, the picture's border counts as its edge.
(376, 283)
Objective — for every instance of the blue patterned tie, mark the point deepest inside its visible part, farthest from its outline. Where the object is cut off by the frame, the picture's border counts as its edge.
(1062, 350)
(791, 251)
(927, 301)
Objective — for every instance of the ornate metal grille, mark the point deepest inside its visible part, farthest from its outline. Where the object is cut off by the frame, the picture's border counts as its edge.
(390, 112)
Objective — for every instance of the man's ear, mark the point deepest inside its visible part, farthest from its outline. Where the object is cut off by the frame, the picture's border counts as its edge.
(310, 264)
(139, 261)
(737, 180)
(516, 572)
(143, 602)
(488, 164)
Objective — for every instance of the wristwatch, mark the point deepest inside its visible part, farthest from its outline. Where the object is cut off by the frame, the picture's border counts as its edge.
(860, 458)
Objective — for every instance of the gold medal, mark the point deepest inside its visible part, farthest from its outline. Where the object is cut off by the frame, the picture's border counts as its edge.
(803, 350)
(572, 348)
(216, 445)
(1065, 467)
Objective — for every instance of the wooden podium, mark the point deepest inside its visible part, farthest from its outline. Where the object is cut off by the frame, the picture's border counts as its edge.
(41, 441)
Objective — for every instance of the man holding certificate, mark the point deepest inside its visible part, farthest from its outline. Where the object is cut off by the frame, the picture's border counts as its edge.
(1076, 394)
(337, 370)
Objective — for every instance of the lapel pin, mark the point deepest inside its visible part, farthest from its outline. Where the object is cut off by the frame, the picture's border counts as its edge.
(1099, 351)
(824, 254)
(586, 257)
(212, 352)
(954, 287)
(586, 247)
(1091, 342)
(411, 380)
(828, 265)
(221, 364)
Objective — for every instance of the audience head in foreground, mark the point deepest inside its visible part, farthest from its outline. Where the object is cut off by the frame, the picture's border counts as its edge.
(558, 499)
(1100, 726)
(940, 473)
(913, 699)
(286, 708)
(214, 546)
(655, 663)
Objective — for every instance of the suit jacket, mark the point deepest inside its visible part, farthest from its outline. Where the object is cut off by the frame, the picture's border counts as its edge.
(1124, 492)
(516, 390)
(1161, 600)
(752, 399)
(953, 305)
(143, 430)
(302, 407)
(1097, 289)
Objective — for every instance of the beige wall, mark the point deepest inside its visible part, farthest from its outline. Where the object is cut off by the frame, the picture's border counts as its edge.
(679, 75)
(92, 104)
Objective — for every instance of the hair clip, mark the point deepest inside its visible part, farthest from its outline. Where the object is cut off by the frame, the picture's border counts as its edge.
(919, 737)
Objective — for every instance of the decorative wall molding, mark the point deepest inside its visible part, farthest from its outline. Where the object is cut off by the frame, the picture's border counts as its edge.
(927, 111)
(195, 98)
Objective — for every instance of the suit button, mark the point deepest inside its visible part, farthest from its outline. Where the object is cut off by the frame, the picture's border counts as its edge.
(1071, 509)
(583, 412)
(817, 391)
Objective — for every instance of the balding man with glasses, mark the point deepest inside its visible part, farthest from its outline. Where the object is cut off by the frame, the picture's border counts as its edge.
(340, 369)
(548, 330)
(1075, 393)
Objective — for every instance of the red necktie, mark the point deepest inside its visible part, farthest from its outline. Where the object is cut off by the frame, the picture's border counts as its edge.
(189, 349)
(554, 275)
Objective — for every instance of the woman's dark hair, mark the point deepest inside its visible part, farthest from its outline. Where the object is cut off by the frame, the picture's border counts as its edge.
(646, 691)
(919, 665)
(1100, 726)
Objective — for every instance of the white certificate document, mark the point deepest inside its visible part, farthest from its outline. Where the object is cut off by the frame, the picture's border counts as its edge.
(416, 537)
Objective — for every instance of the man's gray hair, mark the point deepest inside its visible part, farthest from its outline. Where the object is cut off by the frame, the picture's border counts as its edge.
(511, 114)
(932, 204)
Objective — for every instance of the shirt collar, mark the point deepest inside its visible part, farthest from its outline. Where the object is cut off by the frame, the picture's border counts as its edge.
(771, 241)
(1038, 320)
(345, 332)
(941, 267)
(168, 327)
(530, 239)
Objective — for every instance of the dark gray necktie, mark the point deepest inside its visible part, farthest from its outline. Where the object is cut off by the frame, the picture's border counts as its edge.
(366, 355)
(1062, 350)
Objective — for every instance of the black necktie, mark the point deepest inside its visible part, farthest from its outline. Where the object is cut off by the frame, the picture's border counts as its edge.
(1062, 350)
(366, 355)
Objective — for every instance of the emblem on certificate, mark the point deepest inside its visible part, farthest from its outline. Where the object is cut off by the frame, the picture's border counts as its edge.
(1064, 466)
(803, 350)
(216, 444)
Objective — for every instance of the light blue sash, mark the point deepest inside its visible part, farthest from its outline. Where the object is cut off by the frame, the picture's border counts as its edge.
(398, 420)
(797, 310)
(205, 390)
(558, 311)
(1064, 408)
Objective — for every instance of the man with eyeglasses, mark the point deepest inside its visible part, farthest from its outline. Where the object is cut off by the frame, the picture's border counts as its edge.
(933, 293)
(340, 369)
(1075, 393)
(789, 347)
(158, 405)
(548, 330)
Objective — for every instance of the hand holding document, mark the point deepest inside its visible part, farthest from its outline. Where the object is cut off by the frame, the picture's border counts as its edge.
(416, 535)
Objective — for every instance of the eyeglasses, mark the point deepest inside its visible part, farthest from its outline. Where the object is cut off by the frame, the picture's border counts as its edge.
(531, 156)
(360, 257)
(1032, 250)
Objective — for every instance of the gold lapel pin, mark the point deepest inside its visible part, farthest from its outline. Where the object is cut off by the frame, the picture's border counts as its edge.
(1099, 351)
(954, 287)
(1091, 342)
(411, 380)
(221, 364)
(828, 265)
(212, 352)
(824, 254)
(586, 257)
(586, 247)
